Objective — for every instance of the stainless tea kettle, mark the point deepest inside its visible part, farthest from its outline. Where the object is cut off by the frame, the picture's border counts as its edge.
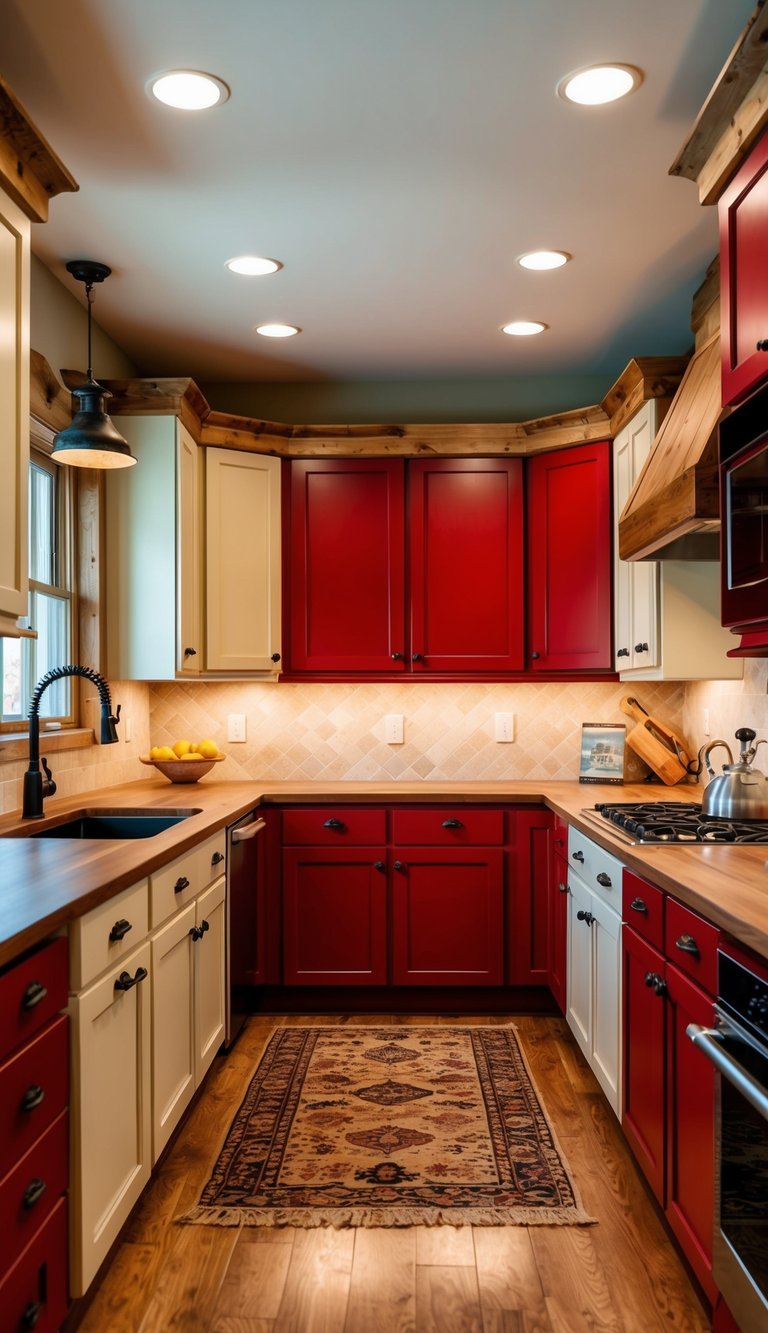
(740, 791)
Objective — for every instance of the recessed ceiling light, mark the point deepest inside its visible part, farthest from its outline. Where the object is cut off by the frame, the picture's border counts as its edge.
(599, 84)
(277, 330)
(543, 259)
(524, 328)
(188, 89)
(253, 266)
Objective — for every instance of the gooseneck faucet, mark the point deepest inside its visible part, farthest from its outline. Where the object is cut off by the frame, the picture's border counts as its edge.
(37, 787)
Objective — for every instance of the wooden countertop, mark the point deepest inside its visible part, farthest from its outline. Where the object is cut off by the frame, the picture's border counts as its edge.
(48, 882)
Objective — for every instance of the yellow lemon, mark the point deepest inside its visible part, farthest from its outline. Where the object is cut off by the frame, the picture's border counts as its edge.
(181, 748)
(164, 752)
(208, 749)
(191, 754)
(155, 752)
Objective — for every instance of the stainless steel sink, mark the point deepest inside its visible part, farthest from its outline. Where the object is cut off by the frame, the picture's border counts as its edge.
(114, 824)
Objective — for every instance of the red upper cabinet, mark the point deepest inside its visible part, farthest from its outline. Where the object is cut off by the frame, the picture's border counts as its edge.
(466, 565)
(346, 576)
(743, 214)
(569, 559)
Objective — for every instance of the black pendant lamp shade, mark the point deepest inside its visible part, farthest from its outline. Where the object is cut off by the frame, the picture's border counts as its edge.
(91, 440)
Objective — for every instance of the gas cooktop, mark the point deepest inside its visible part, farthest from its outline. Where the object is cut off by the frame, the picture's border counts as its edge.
(673, 822)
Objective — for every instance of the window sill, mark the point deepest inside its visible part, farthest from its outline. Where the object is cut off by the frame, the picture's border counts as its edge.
(15, 745)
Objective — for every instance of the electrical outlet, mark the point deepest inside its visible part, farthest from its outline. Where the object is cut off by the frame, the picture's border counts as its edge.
(393, 729)
(504, 727)
(236, 727)
(706, 722)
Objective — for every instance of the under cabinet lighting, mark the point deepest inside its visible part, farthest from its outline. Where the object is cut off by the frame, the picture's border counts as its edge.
(544, 259)
(277, 330)
(188, 89)
(599, 84)
(253, 266)
(524, 328)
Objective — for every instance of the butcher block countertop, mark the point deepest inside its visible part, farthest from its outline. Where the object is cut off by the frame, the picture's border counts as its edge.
(48, 882)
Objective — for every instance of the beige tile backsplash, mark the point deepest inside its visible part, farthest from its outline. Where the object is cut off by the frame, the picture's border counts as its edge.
(309, 731)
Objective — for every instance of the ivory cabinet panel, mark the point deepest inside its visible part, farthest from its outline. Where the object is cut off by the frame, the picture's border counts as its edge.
(14, 411)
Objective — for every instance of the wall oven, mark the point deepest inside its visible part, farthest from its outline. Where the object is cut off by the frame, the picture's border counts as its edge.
(744, 516)
(738, 1048)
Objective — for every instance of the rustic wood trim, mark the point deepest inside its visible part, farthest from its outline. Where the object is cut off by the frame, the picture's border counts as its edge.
(49, 401)
(733, 115)
(14, 747)
(30, 171)
(705, 307)
(690, 503)
(645, 377)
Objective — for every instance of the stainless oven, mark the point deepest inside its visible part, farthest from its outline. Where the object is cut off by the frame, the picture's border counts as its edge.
(738, 1048)
(244, 884)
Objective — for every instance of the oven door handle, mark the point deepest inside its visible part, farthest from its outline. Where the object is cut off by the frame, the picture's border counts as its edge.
(248, 831)
(710, 1042)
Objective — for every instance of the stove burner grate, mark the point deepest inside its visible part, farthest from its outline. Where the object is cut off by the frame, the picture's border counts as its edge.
(680, 822)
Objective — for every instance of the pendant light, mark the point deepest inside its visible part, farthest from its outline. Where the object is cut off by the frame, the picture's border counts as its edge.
(91, 440)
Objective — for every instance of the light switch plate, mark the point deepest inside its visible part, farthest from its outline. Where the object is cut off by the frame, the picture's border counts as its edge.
(236, 727)
(393, 728)
(504, 727)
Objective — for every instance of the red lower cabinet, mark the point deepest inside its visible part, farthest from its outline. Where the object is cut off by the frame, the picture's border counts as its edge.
(669, 1086)
(528, 896)
(447, 916)
(33, 1293)
(334, 916)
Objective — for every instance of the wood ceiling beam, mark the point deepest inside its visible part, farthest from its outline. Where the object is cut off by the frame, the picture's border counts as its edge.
(30, 172)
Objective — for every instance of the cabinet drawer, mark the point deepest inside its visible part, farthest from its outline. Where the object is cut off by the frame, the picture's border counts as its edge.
(643, 908)
(331, 827)
(31, 992)
(599, 870)
(33, 1293)
(34, 1086)
(448, 827)
(31, 1189)
(175, 885)
(691, 943)
(103, 936)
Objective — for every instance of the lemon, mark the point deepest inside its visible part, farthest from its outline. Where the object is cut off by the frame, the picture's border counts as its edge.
(155, 752)
(208, 749)
(164, 752)
(191, 754)
(181, 748)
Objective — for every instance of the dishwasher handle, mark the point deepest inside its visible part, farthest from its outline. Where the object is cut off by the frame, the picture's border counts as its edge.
(248, 831)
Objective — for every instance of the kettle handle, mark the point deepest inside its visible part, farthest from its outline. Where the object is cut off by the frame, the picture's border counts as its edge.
(706, 751)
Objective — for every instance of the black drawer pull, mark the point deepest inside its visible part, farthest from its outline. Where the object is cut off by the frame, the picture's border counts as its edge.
(687, 944)
(275, 657)
(379, 865)
(762, 345)
(641, 647)
(34, 1191)
(190, 652)
(32, 1097)
(399, 865)
(120, 929)
(216, 858)
(335, 824)
(585, 916)
(623, 652)
(31, 1314)
(638, 905)
(452, 823)
(181, 884)
(196, 933)
(604, 879)
(578, 856)
(34, 993)
(126, 982)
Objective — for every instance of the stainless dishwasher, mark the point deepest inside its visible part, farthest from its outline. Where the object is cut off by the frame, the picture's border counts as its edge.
(244, 869)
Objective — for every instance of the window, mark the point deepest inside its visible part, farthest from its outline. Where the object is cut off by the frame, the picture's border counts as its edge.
(50, 612)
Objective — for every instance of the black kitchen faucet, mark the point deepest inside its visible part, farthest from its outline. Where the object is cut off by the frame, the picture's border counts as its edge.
(37, 787)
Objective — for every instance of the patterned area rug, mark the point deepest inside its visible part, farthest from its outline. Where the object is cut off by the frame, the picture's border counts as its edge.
(390, 1126)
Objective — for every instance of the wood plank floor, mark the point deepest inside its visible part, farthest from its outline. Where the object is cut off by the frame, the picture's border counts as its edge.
(622, 1276)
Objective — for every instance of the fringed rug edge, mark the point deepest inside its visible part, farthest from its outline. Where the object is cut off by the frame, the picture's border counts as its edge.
(340, 1218)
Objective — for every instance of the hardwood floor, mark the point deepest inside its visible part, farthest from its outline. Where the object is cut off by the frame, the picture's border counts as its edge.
(621, 1276)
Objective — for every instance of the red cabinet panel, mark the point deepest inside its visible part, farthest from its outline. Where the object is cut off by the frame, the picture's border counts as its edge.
(346, 577)
(32, 1188)
(334, 826)
(335, 916)
(447, 916)
(643, 908)
(644, 1115)
(529, 893)
(743, 217)
(32, 991)
(459, 827)
(466, 564)
(34, 1085)
(691, 944)
(569, 559)
(33, 1293)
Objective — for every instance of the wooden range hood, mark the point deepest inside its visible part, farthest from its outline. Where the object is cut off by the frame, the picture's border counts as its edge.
(673, 511)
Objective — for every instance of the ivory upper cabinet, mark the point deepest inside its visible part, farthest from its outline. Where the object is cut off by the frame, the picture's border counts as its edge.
(14, 411)
(666, 612)
(242, 523)
(153, 520)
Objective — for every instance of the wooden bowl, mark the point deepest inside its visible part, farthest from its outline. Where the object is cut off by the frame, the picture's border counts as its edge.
(182, 770)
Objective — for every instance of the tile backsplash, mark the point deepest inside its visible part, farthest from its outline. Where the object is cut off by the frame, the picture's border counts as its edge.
(729, 704)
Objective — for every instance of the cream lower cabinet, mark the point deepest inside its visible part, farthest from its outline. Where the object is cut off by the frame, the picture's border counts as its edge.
(666, 612)
(15, 230)
(188, 1006)
(594, 961)
(110, 1108)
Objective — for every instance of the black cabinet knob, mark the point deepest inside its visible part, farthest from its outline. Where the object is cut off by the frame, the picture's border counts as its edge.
(638, 905)
(585, 916)
(762, 345)
(34, 1191)
(275, 657)
(535, 657)
(181, 884)
(216, 858)
(398, 657)
(622, 652)
(335, 824)
(604, 879)
(33, 1097)
(399, 865)
(641, 647)
(34, 993)
(190, 652)
(379, 865)
(578, 856)
(687, 944)
(195, 933)
(120, 930)
(417, 657)
(452, 823)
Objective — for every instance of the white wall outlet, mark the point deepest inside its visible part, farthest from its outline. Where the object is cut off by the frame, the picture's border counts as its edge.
(394, 733)
(504, 727)
(236, 727)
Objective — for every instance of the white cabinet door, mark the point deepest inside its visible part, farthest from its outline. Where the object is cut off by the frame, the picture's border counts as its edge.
(636, 582)
(606, 1015)
(110, 1109)
(209, 977)
(14, 411)
(173, 1042)
(242, 503)
(579, 1012)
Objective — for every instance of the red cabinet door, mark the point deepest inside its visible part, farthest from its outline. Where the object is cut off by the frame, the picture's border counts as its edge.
(644, 1017)
(466, 564)
(447, 916)
(569, 559)
(690, 1127)
(743, 217)
(334, 916)
(346, 577)
(528, 894)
